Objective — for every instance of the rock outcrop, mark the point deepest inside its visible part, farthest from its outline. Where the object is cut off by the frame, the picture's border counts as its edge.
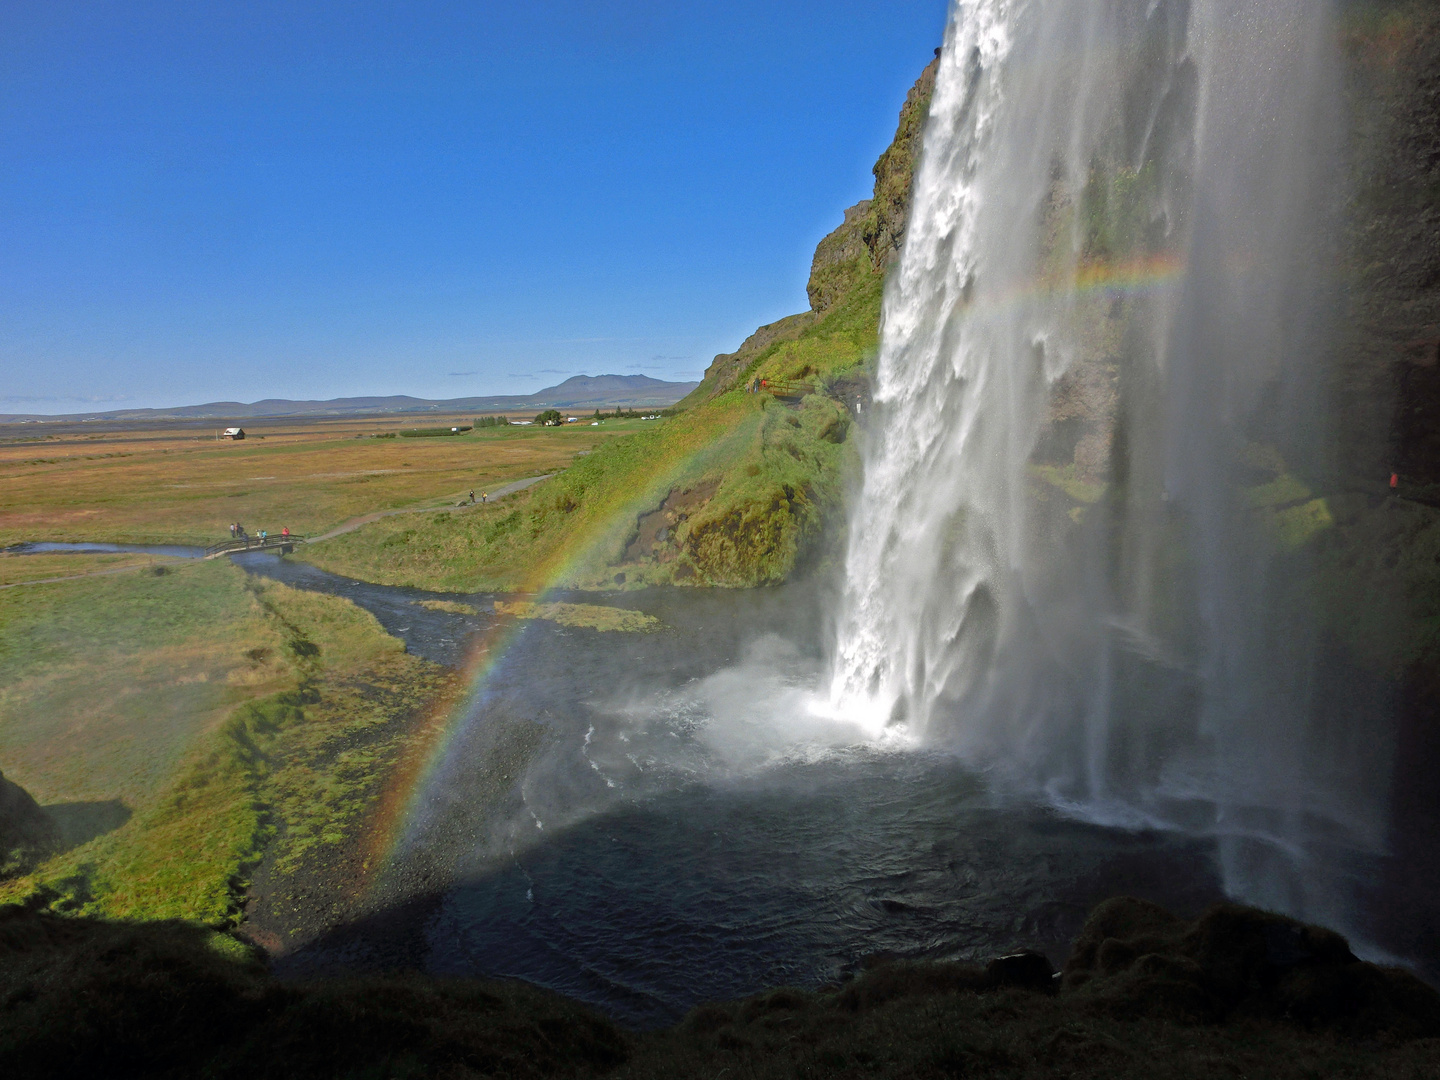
(1134, 959)
(27, 834)
(867, 243)
(883, 227)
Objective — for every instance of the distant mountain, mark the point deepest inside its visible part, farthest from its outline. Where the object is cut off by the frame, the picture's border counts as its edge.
(580, 391)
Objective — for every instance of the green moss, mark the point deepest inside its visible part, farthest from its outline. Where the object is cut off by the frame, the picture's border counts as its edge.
(88, 998)
(590, 616)
(1281, 491)
(267, 772)
(1064, 478)
(1296, 526)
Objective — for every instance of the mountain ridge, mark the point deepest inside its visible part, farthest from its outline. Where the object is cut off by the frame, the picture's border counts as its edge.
(576, 391)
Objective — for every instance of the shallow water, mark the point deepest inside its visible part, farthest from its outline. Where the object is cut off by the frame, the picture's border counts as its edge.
(440, 636)
(179, 551)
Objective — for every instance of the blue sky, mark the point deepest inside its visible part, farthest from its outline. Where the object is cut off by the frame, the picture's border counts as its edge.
(234, 201)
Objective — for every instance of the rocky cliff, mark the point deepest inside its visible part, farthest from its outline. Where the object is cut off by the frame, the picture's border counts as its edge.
(865, 245)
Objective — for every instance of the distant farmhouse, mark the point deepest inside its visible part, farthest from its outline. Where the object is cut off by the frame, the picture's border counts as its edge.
(234, 433)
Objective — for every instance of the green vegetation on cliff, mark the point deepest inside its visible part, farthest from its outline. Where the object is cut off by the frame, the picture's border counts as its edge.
(733, 488)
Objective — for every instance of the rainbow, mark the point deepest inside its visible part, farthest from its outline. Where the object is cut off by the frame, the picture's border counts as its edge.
(1130, 277)
(408, 784)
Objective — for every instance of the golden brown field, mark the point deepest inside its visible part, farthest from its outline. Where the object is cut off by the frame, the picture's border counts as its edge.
(179, 485)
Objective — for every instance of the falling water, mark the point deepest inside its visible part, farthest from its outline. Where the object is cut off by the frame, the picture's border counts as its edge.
(1081, 556)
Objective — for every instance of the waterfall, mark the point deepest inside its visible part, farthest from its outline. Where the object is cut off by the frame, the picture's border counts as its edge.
(1082, 553)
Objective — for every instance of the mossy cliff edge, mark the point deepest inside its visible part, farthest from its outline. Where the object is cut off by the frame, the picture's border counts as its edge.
(733, 488)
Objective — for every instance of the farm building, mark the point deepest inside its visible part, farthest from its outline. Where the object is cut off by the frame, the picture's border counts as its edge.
(234, 433)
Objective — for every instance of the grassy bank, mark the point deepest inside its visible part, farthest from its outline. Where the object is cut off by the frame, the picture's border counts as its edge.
(733, 490)
(187, 724)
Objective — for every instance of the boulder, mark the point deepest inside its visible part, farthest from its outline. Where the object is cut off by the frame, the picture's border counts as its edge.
(1025, 970)
(1135, 959)
(27, 834)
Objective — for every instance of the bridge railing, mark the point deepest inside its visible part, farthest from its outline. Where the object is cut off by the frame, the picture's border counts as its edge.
(251, 543)
(784, 388)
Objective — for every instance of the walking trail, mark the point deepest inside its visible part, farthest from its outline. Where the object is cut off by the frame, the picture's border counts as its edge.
(365, 519)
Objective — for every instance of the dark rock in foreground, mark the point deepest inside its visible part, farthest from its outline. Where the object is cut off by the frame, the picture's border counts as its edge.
(27, 835)
(1145, 994)
(1136, 959)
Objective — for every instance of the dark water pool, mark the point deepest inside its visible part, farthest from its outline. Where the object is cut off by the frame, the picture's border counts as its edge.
(637, 821)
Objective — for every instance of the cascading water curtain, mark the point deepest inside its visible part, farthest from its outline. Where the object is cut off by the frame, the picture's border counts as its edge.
(1081, 555)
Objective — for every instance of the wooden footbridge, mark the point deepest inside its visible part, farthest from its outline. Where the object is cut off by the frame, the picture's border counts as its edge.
(787, 391)
(283, 544)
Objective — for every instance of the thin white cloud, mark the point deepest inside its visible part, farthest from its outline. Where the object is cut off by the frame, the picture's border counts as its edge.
(84, 399)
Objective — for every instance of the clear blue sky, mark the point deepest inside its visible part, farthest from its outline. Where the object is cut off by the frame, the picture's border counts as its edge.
(230, 201)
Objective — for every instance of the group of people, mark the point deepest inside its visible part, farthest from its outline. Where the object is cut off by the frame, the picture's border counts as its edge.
(484, 496)
(237, 532)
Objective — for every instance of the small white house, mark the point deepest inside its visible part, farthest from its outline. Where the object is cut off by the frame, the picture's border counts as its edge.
(234, 433)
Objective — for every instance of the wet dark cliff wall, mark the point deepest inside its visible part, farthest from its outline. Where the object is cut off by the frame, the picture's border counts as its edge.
(1384, 558)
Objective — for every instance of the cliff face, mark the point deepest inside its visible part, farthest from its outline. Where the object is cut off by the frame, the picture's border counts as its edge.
(1388, 378)
(866, 244)
(883, 227)
(1383, 563)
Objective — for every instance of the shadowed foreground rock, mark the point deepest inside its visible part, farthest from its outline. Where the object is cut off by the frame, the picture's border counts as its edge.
(1145, 994)
(1136, 959)
(27, 834)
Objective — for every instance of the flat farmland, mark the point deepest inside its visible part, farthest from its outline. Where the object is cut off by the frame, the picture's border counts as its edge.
(177, 484)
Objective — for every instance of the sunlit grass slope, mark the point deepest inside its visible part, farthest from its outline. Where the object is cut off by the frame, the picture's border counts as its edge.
(212, 710)
(764, 475)
(735, 487)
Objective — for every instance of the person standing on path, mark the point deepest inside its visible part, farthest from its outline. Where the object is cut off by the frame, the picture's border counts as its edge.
(484, 496)
(472, 495)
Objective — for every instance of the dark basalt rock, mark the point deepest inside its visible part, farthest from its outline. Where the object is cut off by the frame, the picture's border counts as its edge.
(1025, 970)
(27, 834)
(1134, 959)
